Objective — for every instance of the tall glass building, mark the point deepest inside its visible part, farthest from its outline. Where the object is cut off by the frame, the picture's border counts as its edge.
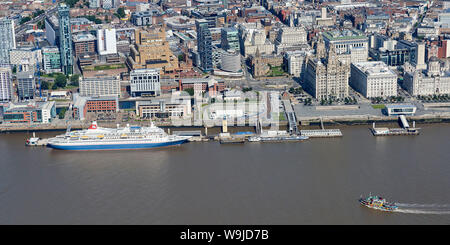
(230, 39)
(65, 39)
(204, 47)
(7, 39)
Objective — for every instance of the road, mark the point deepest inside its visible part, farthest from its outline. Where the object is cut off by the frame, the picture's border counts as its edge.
(22, 28)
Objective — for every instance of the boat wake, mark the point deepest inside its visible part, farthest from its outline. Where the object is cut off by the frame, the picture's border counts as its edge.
(414, 208)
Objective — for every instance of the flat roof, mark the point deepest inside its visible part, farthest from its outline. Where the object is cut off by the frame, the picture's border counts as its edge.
(399, 106)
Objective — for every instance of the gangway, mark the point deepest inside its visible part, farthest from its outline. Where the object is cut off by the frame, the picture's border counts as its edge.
(403, 121)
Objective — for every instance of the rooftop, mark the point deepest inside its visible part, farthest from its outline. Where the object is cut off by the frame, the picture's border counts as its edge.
(347, 34)
(374, 68)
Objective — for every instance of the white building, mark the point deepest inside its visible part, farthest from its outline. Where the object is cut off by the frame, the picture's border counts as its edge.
(25, 58)
(373, 79)
(296, 62)
(163, 109)
(145, 82)
(93, 4)
(6, 84)
(253, 37)
(106, 41)
(100, 86)
(289, 38)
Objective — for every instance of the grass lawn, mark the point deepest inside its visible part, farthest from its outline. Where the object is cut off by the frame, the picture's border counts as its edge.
(276, 71)
(378, 106)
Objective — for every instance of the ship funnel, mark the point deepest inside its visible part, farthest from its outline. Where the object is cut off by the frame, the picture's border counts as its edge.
(93, 125)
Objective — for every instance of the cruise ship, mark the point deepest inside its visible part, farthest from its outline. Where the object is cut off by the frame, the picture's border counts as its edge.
(129, 137)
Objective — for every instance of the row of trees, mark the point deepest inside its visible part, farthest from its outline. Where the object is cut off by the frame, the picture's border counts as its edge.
(393, 99)
(437, 98)
(61, 81)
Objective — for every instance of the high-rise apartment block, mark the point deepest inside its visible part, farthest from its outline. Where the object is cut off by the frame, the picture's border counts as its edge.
(6, 84)
(204, 45)
(7, 39)
(26, 85)
(106, 41)
(65, 39)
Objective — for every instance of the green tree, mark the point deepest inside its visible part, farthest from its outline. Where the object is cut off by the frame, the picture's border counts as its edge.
(62, 113)
(45, 85)
(121, 12)
(190, 91)
(60, 81)
(74, 80)
(25, 19)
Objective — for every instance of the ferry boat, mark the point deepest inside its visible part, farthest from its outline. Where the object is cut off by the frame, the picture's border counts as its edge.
(378, 203)
(129, 137)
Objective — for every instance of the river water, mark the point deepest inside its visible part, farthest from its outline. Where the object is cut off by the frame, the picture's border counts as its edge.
(317, 181)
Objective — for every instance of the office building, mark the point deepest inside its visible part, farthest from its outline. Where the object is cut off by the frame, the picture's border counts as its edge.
(97, 104)
(145, 82)
(100, 86)
(152, 51)
(7, 39)
(290, 39)
(373, 79)
(433, 81)
(65, 39)
(347, 42)
(296, 62)
(51, 59)
(327, 78)
(230, 39)
(30, 112)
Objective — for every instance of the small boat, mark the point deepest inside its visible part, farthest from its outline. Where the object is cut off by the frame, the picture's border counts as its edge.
(33, 141)
(254, 139)
(378, 203)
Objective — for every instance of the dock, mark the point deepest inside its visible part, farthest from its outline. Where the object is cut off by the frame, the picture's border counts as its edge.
(321, 133)
(404, 130)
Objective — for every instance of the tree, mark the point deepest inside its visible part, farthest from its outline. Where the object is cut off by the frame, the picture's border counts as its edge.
(74, 79)
(247, 89)
(45, 85)
(62, 113)
(121, 12)
(25, 19)
(190, 91)
(60, 81)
